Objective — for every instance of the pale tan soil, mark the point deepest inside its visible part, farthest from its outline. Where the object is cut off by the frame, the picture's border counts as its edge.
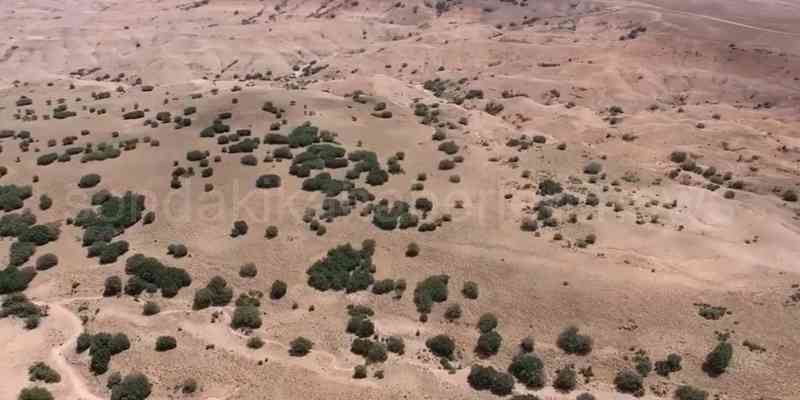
(635, 288)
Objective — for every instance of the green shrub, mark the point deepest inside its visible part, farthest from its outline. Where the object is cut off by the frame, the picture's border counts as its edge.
(112, 286)
(360, 326)
(487, 322)
(40, 235)
(395, 344)
(166, 343)
(300, 346)
(678, 156)
(628, 381)
(668, 366)
(592, 168)
(42, 372)
(135, 386)
(246, 317)
(20, 252)
(271, 232)
(248, 270)
(240, 228)
(189, 386)
(412, 250)
(489, 343)
(441, 346)
(574, 343)
(686, 392)
(376, 353)
(470, 290)
(383, 286)
(150, 308)
(216, 293)
(255, 343)
(453, 312)
(150, 272)
(718, 360)
(343, 268)
(566, 379)
(35, 393)
(278, 290)
(432, 289)
(46, 261)
(268, 181)
(13, 279)
(45, 202)
(89, 181)
(529, 370)
(83, 342)
(359, 372)
(487, 378)
(47, 159)
(177, 250)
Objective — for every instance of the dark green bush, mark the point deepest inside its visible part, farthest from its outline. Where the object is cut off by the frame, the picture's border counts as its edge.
(216, 293)
(566, 379)
(20, 252)
(113, 286)
(360, 326)
(487, 378)
(470, 290)
(343, 268)
(46, 261)
(135, 386)
(248, 270)
(489, 343)
(574, 343)
(718, 360)
(151, 272)
(487, 322)
(395, 344)
(150, 308)
(686, 392)
(166, 343)
(441, 346)
(432, 289)
(35, 393)
(42, 372)
(246, 317)
(300, 347)
(668, 366)
(529, 370)
(177, 250)
(271, 232)
(89, 181)
(628, 381)
(47, 159)
(278, 290)
(268, 181)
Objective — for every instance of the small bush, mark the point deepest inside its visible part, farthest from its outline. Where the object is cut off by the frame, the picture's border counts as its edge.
(268, 181)
(35, 393)
(574, 343)
(487, 322)
(718, 360)
(248, 270)
(470, 290)
(255, 343)
(686, 392)
(453, 312)
(395, 344)
(412, 250)
(278, 290)
(592, 168)
(566, 379)
(628, 381)
(300, 347)
(271, 232)
(441, 346)
(489, 343)
(166, 343)
(246, 317)
(150, 308)
(177, 250)
(42, 372)
(135, 386)
(668, 366)
(46, 261)
(89, 181)
(113, 286)
(359, 372)
(45, 202)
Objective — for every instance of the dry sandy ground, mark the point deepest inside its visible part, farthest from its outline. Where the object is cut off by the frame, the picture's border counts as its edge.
(635, 288)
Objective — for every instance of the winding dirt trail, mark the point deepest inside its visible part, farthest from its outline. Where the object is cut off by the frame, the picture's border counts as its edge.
(70, 321)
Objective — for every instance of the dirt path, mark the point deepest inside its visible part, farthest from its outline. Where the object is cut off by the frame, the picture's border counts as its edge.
(62, 316)
(711, 18)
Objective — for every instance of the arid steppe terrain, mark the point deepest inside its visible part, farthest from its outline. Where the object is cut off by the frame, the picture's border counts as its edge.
(413, 199)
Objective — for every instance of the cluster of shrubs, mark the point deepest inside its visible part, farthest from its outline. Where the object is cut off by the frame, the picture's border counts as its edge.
(134, 386)
(300, 347)
(149, 274)
(216, 293)
(15, 279)
(41, 372)
(343, 268)
(17, 305)
(12, 197)
(572, 342)
(489, 341)
(430, 290)
(102, 346)
(246, 316)
(718, 360)
(488, 378)
(115, 214)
